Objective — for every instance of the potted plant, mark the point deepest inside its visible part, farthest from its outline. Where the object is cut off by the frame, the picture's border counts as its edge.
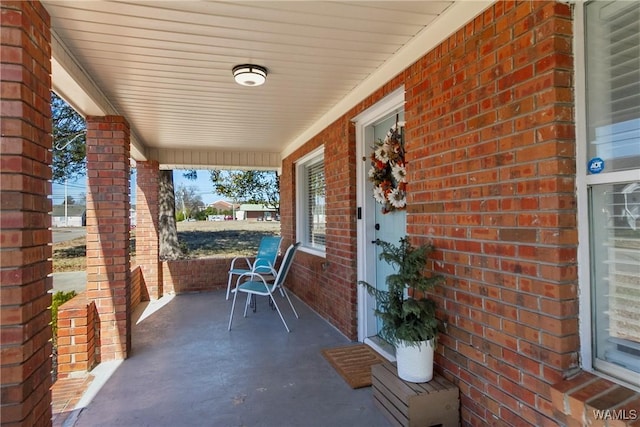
(408, 316)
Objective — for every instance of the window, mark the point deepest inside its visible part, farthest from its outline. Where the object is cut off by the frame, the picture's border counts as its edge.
(311, 202)
(610, 183)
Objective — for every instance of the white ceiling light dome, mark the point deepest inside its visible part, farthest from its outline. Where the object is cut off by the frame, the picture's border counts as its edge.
(249, 74)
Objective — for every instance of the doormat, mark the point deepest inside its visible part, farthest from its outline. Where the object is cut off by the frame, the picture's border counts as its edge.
(353, 363)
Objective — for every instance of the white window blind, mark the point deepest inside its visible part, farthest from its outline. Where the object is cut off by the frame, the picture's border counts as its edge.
(316, 204)
(613, 83)
(311, 202)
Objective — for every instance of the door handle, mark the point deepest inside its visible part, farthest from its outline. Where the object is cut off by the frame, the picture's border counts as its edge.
(375, 242)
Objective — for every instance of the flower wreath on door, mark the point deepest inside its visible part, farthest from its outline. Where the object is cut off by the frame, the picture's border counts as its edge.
(388, 171)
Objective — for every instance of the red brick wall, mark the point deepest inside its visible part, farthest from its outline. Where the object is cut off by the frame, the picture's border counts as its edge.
(491, 167)
(108, 269)
(25, 122)
(195, 275)
(139, 291)
(491, 155)
(147, 226)
(76, 335)
(77, 324)
(327, 285)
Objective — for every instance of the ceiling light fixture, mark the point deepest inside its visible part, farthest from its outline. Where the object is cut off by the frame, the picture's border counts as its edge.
(249, 74)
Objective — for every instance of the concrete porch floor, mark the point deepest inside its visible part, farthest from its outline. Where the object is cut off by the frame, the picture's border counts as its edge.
(186, 369)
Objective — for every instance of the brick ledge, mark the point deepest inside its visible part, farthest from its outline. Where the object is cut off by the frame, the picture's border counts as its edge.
(586, 399)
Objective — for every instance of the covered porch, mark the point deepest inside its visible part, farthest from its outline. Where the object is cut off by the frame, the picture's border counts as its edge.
(154, 97)
(490, 92)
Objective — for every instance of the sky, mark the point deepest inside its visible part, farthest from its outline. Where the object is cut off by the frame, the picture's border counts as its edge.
(77, 187)
(203, 183)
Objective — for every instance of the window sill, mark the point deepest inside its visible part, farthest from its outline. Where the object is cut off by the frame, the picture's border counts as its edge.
(586, 399)
(313, 251)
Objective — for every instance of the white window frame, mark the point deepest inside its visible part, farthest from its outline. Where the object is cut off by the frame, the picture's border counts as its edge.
(583, 181)
(302, 198)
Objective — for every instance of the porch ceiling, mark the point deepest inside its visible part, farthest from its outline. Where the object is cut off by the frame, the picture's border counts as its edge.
(166, 66)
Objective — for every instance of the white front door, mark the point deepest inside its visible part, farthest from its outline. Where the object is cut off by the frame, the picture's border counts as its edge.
(372, 125)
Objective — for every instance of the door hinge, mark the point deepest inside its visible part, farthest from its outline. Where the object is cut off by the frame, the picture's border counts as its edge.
(359, 213)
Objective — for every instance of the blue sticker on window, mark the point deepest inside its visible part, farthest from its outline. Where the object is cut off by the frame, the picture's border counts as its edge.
(596, 165)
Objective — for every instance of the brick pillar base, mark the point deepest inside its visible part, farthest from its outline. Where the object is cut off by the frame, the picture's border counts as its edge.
(108, 269)
(25, 121)
(76, 336)
(147, 226)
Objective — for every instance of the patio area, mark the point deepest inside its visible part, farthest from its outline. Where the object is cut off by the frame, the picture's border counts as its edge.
(186, 369)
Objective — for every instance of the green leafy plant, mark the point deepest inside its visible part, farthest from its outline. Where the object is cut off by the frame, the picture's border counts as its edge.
(406, 313)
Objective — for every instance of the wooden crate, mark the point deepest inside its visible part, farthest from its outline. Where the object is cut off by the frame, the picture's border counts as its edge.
(435, 403)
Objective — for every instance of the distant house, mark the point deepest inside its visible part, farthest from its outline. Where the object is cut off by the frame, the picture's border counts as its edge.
(255, 212)
(72, 216)
(223, 205)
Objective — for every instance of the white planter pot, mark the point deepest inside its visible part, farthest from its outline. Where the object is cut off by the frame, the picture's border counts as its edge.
(415, 362)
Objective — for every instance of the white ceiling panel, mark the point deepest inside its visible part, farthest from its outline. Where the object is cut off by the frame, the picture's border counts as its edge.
(166, 65)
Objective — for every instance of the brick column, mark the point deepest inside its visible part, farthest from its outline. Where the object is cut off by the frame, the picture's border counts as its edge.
(108, 269)
(76, 336)
(147, 223)
(25, 330)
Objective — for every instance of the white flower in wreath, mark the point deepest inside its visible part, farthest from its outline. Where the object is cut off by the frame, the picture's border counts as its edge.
(378, 194)
(382, 153)
(397, 198)
(372, 172)
(399, 173)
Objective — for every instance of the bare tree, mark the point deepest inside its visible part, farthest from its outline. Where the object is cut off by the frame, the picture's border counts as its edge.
(189, 200)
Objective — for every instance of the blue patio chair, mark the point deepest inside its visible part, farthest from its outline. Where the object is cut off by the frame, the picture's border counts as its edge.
(264, 262)
(258, 285)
